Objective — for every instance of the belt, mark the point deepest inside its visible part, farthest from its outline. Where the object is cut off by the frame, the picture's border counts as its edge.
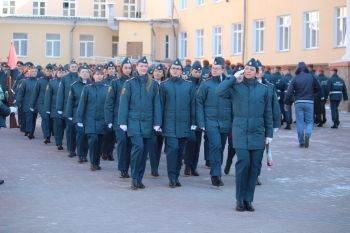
(335, 92)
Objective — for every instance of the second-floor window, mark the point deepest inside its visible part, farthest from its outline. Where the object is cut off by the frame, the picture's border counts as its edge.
(69, 7)
(100, 8)
(38, 7)
(8, 7)
(130, 8)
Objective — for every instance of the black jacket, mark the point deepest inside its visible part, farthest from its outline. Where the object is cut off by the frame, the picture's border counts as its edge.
(303, 87)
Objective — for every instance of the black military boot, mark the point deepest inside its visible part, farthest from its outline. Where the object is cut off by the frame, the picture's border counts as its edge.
(80, 159)
(140, 185)
(47, 140)
(288, 127)
(134, 184)
(194, 172)
(104, 157)
(31, 136)
(240, 206)
(1, 182)
(59, 147)
(187, 171)
(172, 184)
(215, 181)
(110, 157)
(248, 206)
(155, 174)
(227, 167)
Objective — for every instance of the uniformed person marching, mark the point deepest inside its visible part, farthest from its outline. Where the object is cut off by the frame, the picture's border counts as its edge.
(140, 115)
(38, 99)
(337, 92)
(158, 139)
(194, 141)
(178, 111)
(90, 115)
(111, 109)
(288, 108)
(109, 138)
(320, 111)
(62, 97)
(50, 107)
(214, 115)
(23, 100)
(252, 129)
(71, 110)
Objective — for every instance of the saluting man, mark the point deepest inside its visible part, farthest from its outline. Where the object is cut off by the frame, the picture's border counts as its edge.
(252, 129)
(178, 111)
(111, 109)
(140, 115)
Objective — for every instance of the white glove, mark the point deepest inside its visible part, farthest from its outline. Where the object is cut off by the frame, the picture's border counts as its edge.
(13, 109)
(48, 112)
(238, 73)
(124, 127)
(157, 128)
(268, 141)
(80, 124)
(110, 125)
(69, 118)
(203, 128)
(59, 112)
(31, 109)
(275, 130)
(193, 127)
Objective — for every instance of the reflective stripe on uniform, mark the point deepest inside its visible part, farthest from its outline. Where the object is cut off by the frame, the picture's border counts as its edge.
(335, 92)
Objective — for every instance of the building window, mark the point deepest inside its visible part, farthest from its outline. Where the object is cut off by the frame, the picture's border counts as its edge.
(340, 20)
(216, 1)
(237, 39)
(311, 29)
(167, 46)
(183, 44)
(258, 41)
(200, 2)
(283, 33)
(8, 7)
(53, 45)
(86, 46)
(199, 43)
(130, 8)
(20, 41)
(217, 41)
(183, 4)
(38, 7)
(100, 8)
(115, 42)
(68, 7)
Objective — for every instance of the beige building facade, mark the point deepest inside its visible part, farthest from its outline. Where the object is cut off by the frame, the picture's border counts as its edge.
(92, 31)
(278, 32)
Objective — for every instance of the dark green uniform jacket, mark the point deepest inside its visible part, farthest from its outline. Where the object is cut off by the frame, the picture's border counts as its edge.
(252, 112)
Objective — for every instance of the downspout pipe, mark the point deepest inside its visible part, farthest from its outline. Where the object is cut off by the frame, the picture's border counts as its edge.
(244, 30)
(71, 40)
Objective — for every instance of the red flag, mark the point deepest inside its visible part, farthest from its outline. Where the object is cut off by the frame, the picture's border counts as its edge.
(12, 58)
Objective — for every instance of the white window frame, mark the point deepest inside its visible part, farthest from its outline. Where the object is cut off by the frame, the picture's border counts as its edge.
(167, 46)
(182, 45)
(282, 37)
(39, 7)
(259, 36)
(129, 5)
(18, 43)
(10, 7)
(216, 1)
(70, 8)
(115, 43)
(86, 43)
(217, 41)
(340, 20)
(308, 43)
(183, 4)
(200, 2)
(237, 39)
(53, 42)
(98, 12)
(199, 43)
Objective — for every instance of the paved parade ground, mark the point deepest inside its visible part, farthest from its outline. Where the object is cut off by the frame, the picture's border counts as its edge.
(307, 190)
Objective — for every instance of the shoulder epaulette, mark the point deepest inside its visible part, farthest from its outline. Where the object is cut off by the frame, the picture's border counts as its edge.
(130, 79)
